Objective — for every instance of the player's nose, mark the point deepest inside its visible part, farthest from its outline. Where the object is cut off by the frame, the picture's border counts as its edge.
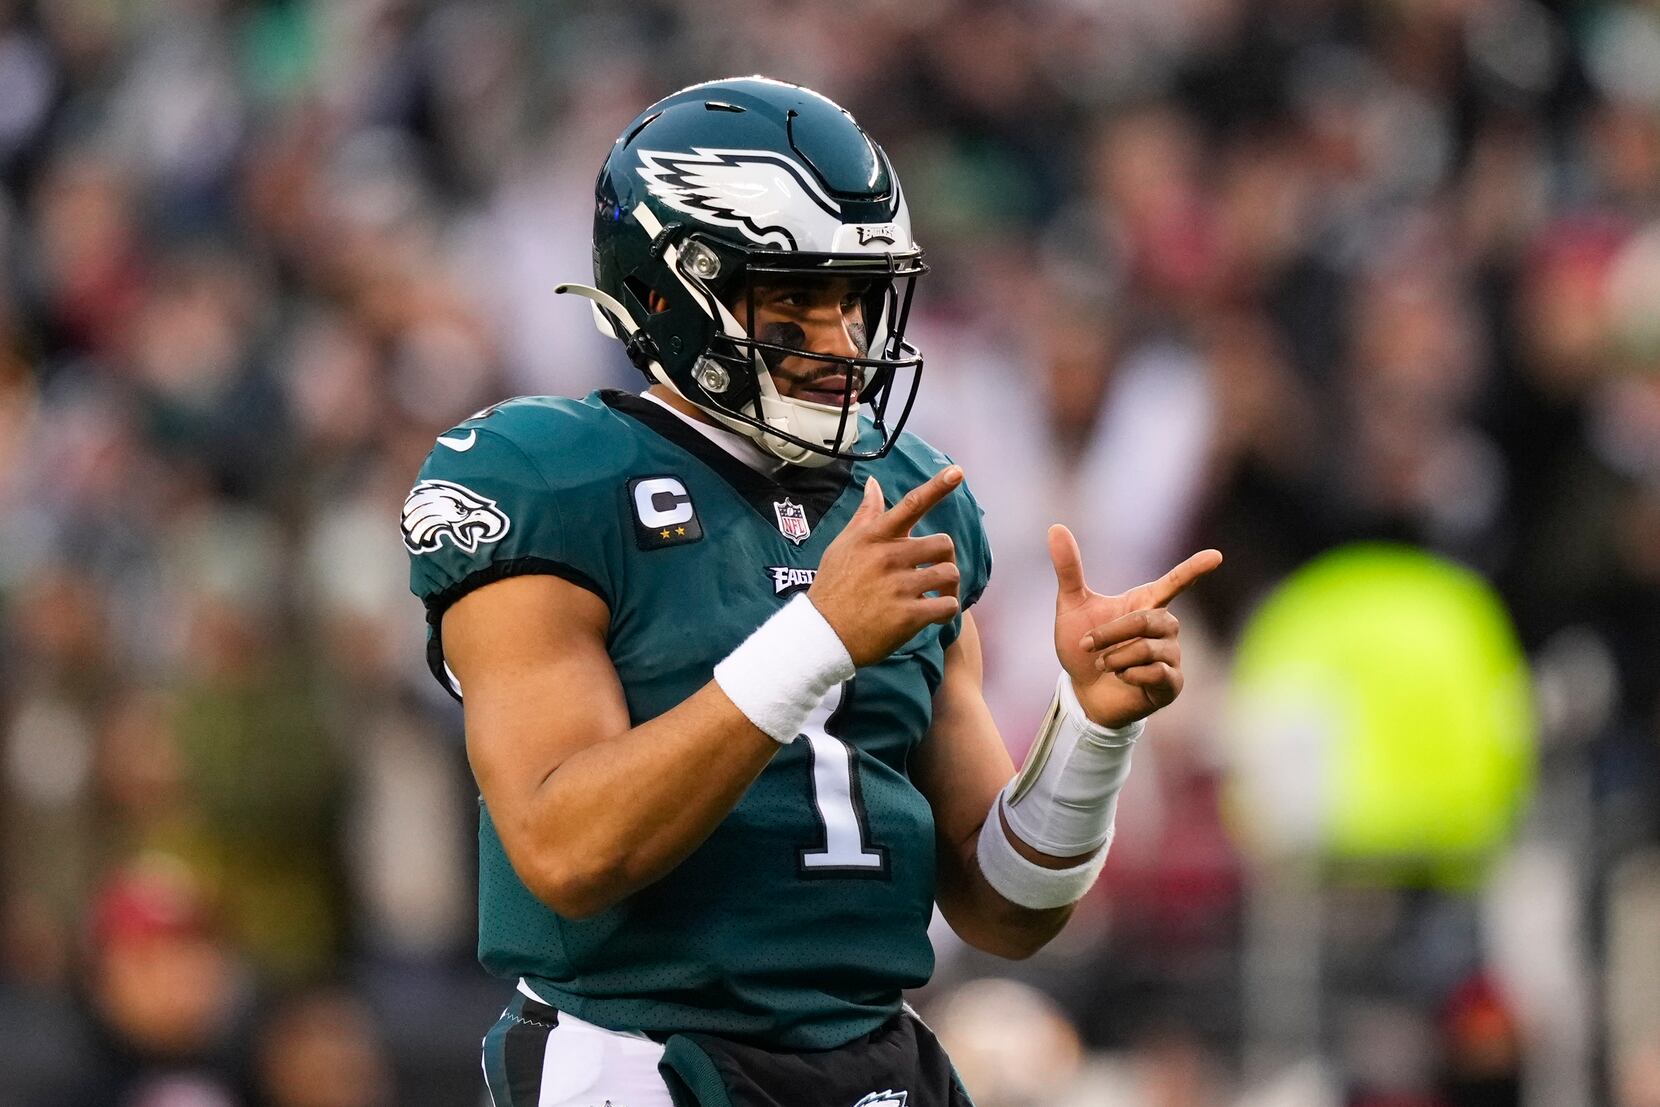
(834, 336)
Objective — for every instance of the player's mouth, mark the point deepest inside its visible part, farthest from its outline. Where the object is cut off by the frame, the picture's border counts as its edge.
(830, 391)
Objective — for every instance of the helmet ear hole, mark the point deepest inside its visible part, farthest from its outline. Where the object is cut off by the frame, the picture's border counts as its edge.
(645, 299)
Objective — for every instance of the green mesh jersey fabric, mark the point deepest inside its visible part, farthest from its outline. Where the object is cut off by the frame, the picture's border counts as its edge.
(801, 918)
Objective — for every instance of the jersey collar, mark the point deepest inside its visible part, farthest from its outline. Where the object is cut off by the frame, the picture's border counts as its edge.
(740, 447)
(816, 490)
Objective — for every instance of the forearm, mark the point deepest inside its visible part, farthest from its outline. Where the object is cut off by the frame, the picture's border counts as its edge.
(964, 769)
(986, 919)
(624, 806)
(1017, 879)
(622, 811)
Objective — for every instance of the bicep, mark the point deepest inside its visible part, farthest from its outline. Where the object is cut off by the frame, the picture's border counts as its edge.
(963, 763)
(537, 685)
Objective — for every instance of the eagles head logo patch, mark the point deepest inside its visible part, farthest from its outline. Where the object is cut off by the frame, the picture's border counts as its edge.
(436, 510)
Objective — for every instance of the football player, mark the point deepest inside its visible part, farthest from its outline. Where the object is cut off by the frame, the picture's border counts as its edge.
(721, 689)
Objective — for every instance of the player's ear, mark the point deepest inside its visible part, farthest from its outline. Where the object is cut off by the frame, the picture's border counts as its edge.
(656, 302)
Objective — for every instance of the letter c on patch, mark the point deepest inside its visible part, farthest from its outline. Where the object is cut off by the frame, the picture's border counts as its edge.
(662, 502)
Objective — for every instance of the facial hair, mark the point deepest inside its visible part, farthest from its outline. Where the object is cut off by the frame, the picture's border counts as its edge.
(793, 336)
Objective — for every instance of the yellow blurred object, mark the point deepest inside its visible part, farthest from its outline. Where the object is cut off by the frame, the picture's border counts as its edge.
(1381, 715)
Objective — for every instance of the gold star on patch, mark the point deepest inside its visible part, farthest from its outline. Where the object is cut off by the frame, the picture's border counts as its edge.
(681, 531)
(662, 534)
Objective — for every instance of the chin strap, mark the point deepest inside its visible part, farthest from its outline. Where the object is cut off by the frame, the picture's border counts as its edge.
(613, 320)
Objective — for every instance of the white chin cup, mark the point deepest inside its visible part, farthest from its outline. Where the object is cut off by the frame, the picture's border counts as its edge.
(804, 419)
(809, 421)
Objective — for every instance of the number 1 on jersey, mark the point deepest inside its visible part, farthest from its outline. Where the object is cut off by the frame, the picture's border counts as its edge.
(846, 849)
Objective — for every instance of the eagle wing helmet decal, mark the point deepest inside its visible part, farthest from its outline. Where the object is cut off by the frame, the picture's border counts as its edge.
(438, 509)
(761, 193)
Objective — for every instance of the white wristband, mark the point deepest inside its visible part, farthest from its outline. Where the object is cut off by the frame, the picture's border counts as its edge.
(1025, 882)
(782, 671)
(1065, 799)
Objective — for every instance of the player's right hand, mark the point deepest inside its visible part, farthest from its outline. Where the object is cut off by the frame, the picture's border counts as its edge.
(873, 580)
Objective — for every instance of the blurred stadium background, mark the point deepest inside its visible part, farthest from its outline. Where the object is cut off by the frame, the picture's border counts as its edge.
(1279, 276)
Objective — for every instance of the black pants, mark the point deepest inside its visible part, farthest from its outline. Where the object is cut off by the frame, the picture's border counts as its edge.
(900, 1064)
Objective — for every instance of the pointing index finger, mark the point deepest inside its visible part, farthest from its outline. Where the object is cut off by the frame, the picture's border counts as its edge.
(908, 512)
(1178, 580)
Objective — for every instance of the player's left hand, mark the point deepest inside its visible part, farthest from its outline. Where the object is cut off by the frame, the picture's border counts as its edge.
(1121, 651)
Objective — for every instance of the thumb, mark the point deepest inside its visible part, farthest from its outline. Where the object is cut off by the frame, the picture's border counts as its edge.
(1068, 562)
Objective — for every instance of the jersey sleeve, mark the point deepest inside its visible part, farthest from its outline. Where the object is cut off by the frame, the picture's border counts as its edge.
(480, 511)
(968, 531)
(976, 562)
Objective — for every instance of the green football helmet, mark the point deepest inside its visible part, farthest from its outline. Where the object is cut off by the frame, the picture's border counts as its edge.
(733, 182)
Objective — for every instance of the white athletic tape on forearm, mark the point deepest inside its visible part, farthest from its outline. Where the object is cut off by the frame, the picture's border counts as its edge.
(1064, 801)
(782, 671)
(1025, 882)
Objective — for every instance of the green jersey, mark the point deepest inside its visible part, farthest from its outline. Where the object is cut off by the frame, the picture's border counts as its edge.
(800, 919)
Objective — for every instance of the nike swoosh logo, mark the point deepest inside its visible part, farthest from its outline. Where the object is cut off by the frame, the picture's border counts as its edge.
(460, 445)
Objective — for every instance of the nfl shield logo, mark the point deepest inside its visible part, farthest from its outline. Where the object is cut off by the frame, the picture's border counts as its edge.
(792, 521)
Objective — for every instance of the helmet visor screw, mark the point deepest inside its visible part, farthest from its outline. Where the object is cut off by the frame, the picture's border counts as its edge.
(712, 376)
(701, 261)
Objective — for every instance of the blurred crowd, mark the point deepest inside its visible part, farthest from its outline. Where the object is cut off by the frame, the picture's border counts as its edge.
(1269, 275)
